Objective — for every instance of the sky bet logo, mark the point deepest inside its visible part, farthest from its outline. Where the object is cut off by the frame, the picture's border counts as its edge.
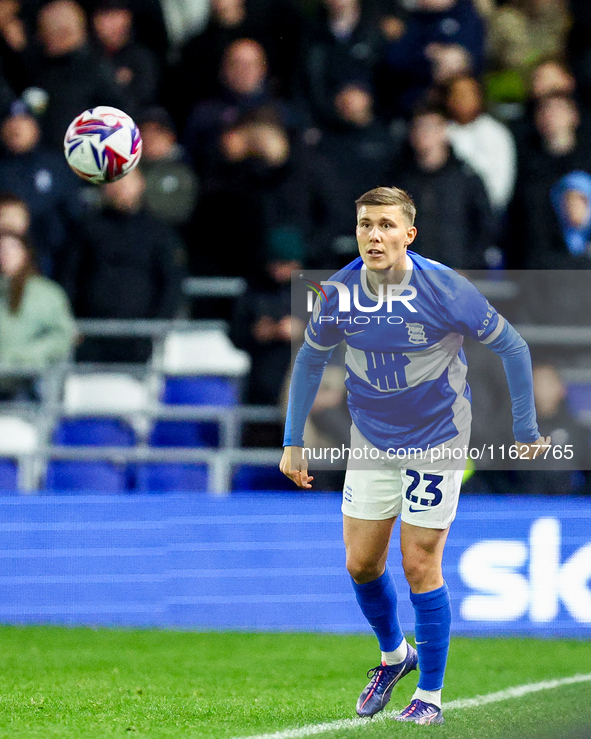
(387, 293)
(513, 579)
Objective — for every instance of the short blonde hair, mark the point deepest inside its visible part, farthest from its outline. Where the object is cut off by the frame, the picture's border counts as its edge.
(390, 196)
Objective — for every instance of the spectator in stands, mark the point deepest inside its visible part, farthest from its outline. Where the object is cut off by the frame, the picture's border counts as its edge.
(521, 32)
(13, 42)
(263, 323)
(179, 21)
(441, 39)
(485, 143)
(455, 221)
(136, 67)
(562, 232)
(69, 70)
(36, 323)
(553, 150)
(171, 184)
(345, 43)
(359, 148)
(125, 265)
(273, 183)
(571, 199)
(15, 215)
(557, 144)
(43, 180)
(196, 77)
(549, 77)
(244, 76)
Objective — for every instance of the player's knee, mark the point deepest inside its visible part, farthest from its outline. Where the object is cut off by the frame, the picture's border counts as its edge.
(420, 570)
(363, 570)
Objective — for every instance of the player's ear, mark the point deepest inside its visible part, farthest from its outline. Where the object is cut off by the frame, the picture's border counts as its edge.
(411, 235)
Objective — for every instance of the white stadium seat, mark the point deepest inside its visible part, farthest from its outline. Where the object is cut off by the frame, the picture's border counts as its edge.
(17, 436)
(208, 352)
(106, 392)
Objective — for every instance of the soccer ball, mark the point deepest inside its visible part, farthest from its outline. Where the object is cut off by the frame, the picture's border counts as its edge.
(102, 145)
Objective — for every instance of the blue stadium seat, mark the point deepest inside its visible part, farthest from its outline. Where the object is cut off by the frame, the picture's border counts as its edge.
(200, 390)
(184, 434)
(82, 476)
(258, 477)
(578, 398)
(93, 432)
(8, 476)
(170, 477)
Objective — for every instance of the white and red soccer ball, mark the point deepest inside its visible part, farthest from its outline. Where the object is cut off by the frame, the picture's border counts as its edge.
(102, 145)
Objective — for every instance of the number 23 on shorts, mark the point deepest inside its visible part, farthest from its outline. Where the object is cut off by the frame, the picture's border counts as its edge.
(423, 490)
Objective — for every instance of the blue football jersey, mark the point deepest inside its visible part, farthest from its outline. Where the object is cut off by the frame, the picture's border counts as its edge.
(406, 369)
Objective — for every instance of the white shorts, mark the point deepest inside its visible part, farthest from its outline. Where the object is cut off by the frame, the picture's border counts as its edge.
(424, 494)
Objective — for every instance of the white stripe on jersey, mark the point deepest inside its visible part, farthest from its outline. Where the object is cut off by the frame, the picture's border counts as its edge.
(423, 365)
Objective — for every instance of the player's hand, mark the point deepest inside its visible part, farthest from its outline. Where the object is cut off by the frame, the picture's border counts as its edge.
(295, 466)
(533, 450)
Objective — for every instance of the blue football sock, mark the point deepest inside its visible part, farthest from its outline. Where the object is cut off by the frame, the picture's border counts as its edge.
(377, 599)
(432, 632)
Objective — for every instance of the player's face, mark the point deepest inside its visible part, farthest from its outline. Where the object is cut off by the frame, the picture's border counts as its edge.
(383, 235)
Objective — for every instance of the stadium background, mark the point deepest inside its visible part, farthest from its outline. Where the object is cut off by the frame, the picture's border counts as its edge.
(176, 387)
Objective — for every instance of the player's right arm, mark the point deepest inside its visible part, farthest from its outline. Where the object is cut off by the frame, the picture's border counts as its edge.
(321, 337)
(305, 382)
(295, 466)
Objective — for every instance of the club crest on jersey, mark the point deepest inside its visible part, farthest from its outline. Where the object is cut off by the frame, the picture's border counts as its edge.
(416, 333)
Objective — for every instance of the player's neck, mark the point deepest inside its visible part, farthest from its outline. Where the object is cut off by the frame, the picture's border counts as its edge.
(392, 276)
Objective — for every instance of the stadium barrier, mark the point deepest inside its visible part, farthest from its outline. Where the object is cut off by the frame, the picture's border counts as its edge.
(140, 405)
(32, 460)
(514, 565)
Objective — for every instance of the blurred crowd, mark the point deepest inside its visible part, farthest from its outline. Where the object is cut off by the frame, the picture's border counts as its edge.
(262, 121)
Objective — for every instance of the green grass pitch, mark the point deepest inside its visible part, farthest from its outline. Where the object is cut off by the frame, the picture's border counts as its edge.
(98, 684)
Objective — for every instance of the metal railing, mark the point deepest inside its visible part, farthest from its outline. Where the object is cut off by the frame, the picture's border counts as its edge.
(220, 460)
(46, 413)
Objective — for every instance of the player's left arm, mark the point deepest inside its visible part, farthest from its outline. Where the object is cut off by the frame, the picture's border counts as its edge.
(514, 353)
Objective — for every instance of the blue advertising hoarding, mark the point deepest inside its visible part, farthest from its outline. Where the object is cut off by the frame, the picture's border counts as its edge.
(514, 565)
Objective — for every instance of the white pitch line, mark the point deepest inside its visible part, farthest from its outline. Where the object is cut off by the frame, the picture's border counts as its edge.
(480, 700)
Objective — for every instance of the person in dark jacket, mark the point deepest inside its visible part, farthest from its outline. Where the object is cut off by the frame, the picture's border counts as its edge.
(171, 184)
(244, 76)
(441, 38)
(43, 180)
(70, 72)
(126, 265)
(558, 145)
(275, 24)
(344, 43)
(360, 149)
(455, 222)
(136, 67)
